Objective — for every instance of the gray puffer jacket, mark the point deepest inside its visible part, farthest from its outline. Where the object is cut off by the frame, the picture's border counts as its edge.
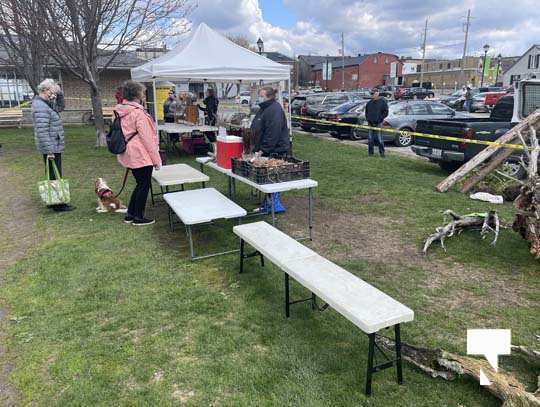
(48, 128)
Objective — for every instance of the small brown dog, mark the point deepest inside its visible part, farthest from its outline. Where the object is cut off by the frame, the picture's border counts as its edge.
(106, 200)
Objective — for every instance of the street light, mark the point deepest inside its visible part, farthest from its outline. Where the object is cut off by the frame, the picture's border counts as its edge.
(486, 49)
(260, 45)
(499, 58)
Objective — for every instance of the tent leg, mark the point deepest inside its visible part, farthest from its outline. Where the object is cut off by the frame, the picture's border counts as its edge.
(155, 105)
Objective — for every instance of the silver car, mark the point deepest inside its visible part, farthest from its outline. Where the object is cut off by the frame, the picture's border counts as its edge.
(404, 115)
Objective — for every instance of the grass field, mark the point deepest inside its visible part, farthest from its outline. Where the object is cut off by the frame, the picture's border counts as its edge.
(102, 313)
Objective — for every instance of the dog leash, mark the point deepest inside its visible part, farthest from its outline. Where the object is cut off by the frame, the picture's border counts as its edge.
(123, 183)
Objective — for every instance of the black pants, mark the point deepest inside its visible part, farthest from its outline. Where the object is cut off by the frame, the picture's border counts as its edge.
(58, 162)
(137, 203)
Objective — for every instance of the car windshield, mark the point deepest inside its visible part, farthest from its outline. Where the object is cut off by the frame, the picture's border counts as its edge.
(315, 100)
(338, 99)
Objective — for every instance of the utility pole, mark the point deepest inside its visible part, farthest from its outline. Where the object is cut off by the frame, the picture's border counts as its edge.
(423, 56)
(342, 62)
(467, 25)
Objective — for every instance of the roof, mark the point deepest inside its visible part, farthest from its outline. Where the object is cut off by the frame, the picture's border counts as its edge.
(318, 59)
(209, 56)
(521, 57)
(277, 57)
(351, 61)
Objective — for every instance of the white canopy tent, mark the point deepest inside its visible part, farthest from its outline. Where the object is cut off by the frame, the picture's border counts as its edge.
(210, 57)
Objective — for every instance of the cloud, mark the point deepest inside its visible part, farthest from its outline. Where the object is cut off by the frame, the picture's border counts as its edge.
(381, 25)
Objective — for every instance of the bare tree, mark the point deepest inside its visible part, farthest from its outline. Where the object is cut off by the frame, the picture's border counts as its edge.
(244, 42)
(21, 38)
(86, 36)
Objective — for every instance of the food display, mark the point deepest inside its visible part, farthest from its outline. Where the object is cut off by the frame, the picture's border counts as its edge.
(264, 170)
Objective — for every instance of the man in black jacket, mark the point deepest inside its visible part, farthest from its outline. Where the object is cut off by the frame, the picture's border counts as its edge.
(211, 104)
(269, 127)
(376, 112)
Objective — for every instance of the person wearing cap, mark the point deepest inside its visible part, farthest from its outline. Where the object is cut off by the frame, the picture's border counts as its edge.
(376, 111)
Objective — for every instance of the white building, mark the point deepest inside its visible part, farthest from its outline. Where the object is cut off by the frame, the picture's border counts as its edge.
(526, 67)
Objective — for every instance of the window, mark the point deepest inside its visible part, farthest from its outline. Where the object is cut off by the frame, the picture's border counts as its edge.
(514, 78)
(530, 63)
(418, 109)
(386, 60)
(437, 108)
(337, 99)
(375, 60)
(537, 61)
(440, 67)
(398, 110)
(354, 77)
(448, 65)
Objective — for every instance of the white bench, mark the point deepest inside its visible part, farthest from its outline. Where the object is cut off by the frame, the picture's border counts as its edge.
(200, 206)
(364, 305)
(176, 174)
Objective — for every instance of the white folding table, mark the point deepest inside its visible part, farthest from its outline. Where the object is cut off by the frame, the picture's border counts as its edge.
(267, 189)
(185, 128)
(176, 174)
(200, 206)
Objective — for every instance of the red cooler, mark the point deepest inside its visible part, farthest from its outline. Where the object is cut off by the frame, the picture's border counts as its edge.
(228, 147)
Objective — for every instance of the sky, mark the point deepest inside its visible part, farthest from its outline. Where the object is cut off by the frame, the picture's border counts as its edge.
(314, 27)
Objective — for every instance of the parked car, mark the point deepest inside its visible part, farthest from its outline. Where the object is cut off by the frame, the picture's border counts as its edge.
(316, 89)
(493, 97)
(450, 155)
(296, 106)
(316, 104)
(385, 91)
(417, 93)
(403, 115)
(346, 113)
(244, 98)
(399, 92)
(479, 103)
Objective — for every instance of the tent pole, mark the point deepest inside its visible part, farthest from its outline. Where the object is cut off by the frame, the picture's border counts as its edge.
(289, 108)
(155, 104)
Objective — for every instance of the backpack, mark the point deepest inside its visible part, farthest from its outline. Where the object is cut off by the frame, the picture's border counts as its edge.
(116, 142)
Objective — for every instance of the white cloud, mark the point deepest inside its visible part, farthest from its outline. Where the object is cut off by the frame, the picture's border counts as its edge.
(381, 25)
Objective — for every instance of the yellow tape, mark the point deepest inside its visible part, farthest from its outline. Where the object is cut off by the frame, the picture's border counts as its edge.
(414, 133)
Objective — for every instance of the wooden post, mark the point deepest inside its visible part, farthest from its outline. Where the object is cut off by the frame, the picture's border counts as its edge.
(499, 158)
(483, 155)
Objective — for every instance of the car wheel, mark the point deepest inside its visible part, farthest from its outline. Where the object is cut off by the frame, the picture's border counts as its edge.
(449, 166)
(431, 95)
(513, 168)
(404, 138)
(305, 128)
(245, 102)
(356, 134)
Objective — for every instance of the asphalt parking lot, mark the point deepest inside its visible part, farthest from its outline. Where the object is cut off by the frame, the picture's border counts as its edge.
(405, 151)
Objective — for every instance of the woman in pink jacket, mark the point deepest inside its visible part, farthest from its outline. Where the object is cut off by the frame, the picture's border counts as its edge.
(142, 151)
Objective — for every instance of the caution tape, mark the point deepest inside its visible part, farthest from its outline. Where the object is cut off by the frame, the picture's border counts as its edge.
(407, 133)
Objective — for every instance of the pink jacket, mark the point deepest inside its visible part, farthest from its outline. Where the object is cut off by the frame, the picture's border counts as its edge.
(143, 149)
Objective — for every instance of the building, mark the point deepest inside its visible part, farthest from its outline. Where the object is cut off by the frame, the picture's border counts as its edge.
(284, 60)
(526, 67)
(363, 71)
(447, 73)
(307, 63)
(15, 90)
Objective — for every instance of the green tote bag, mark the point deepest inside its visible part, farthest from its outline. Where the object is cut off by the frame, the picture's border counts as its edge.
(53, 192)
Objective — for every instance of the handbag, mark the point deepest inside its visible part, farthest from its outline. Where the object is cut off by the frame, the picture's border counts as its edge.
(53, 192)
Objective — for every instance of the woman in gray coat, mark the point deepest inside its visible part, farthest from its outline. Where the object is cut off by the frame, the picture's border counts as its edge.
(48, 130)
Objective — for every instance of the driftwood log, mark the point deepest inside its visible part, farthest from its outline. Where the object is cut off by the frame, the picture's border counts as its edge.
(487, 222)
(486, 153)
(447, 365)
(527, 221)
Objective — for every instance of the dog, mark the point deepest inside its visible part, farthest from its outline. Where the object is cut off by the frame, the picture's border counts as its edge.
(106, 200)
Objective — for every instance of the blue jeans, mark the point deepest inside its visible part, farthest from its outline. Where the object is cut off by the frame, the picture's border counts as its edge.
(372, 135)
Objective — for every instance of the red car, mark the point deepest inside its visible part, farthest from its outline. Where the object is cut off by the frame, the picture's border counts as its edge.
(492, 98)
(399, 92)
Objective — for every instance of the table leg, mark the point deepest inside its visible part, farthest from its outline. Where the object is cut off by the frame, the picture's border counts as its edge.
(190, 239)
(202, 167)
(310, 213)
(203, 184)
(273, 209)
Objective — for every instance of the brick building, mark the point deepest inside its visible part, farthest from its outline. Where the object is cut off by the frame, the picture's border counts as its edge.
(306, 64)
(363, 71)
(447, 73)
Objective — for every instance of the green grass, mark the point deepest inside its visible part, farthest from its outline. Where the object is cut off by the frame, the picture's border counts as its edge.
(105, 314)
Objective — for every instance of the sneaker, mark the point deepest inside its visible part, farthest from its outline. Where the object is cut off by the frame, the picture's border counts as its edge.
(143, 222)
(129, 219)
(63, 208)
